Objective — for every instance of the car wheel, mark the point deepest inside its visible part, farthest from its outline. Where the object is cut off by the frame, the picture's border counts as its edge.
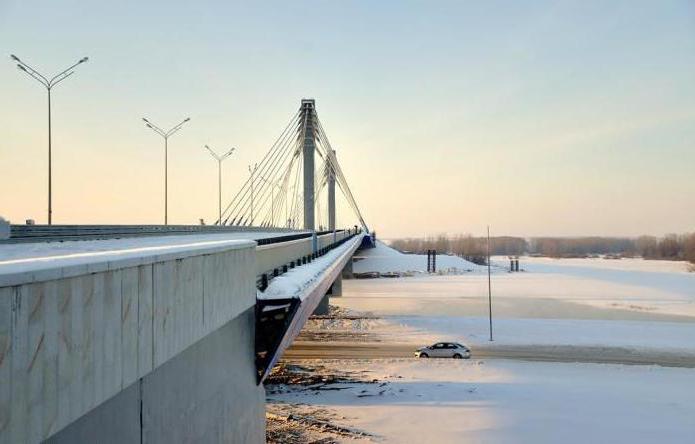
(457, 356)
(424, 355)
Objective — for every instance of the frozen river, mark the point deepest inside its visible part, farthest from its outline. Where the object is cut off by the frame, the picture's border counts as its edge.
(633, 306)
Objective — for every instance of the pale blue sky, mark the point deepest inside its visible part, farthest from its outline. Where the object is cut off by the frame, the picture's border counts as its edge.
(558, 118)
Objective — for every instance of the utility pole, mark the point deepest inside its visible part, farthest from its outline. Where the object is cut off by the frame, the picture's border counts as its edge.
(219, 179)
(489, 281)
(48, 84)
(165, 135)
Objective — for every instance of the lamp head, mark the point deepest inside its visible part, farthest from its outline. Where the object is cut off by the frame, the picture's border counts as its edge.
(83, 59)
(187, 119)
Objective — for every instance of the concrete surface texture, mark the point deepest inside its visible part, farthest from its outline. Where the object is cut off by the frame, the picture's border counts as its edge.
(207, 393)
(68, 345)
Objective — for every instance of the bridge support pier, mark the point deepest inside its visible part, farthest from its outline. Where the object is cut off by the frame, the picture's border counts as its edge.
(322, 308)
(347, 271)
(335, 290)
(337, 287)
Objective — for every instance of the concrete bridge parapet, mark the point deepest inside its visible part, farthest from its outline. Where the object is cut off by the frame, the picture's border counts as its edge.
(134, 349)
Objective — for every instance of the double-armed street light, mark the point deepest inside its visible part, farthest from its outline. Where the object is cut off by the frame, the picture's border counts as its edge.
(165, 135)
(48, 84)
(219, 178)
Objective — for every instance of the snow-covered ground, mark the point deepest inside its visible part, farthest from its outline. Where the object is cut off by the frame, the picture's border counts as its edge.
(599, 264)
(570, 285)
(638, 335)
(385, 259)
(296, 280)
(499, 401)
(552, 303)
(632, 304)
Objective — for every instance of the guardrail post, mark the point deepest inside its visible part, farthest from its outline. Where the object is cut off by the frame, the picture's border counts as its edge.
(264, 281)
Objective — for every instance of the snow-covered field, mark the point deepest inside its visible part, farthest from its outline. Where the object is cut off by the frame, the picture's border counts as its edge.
(385, 259)
(499, 401)
(638, 335)
(630, 303)
(599, 302)
(547, 288)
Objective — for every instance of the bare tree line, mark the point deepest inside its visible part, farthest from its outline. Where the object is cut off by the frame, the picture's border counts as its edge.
(671, 246)
(472, 248)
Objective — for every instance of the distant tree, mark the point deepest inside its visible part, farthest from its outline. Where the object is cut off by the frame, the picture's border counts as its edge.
(689, 247)
(669, 247)
(647, 246)
(672, 246)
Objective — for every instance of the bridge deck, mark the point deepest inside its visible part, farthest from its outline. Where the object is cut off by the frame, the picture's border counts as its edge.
(21, 261)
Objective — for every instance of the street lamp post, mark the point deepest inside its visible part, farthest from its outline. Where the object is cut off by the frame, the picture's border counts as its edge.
(489, 281)
(219, 179)
(48, 84)
(165, 135)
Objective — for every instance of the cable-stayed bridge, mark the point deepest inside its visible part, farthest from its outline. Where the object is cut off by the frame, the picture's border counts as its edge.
(128, 333)
(286, 188)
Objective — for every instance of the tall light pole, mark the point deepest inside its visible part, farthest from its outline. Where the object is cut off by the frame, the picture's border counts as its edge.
(489, 281)
(252, 170)
(219, 179)
(48, 84)
(165, 135)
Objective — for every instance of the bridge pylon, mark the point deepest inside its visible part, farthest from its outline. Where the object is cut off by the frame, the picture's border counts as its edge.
(308, 133)
(331, 192)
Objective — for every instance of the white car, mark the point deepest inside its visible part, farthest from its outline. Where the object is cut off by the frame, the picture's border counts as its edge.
(444, 350)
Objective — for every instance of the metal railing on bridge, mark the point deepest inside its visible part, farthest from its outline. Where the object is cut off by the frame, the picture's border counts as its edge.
(52, 233)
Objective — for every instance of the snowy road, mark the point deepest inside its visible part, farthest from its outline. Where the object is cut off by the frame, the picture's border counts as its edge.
(542, 353)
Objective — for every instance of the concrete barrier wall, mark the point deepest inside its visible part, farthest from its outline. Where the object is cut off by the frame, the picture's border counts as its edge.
(274, 256)
(69, 344)
(206, 394)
